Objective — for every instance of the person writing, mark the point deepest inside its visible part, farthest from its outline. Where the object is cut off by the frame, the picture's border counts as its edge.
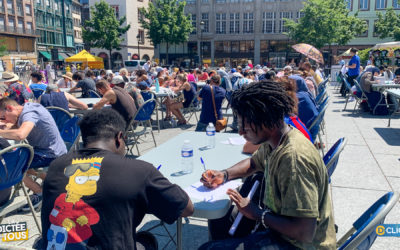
(96, 195)
(293, 207)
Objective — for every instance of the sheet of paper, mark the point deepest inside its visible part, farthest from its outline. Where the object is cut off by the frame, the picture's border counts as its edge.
(200, 192)
(235, 141)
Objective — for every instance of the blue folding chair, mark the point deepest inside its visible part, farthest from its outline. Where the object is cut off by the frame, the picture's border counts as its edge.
(14, 162)
(320, 96)
(60, 115)
(331, 158)
(71, 133)
(363, 233)
(315, 127)
(38, 89)
(142, 116)
(147, 95)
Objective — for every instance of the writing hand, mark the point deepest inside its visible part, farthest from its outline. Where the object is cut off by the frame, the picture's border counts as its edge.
(245, 206)
(212, 178)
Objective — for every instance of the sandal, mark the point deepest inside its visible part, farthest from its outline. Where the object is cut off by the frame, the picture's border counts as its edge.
(182, 123)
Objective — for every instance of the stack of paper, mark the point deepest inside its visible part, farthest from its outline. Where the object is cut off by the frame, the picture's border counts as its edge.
(200, 192)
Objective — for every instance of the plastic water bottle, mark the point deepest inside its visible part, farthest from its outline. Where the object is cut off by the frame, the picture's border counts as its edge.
(210, 132)
(157, 86)
(187, 157)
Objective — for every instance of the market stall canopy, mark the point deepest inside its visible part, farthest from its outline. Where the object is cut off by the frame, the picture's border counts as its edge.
(390, 45)
(309, 51)
(92, 61)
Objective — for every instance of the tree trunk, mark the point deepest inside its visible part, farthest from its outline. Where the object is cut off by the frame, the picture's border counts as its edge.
(167, 55)
(109, 59)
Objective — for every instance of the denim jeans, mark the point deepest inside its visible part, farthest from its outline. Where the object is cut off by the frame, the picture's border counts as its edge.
(39, 161)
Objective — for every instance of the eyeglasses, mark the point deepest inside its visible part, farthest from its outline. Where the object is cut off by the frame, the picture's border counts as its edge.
(83, 179)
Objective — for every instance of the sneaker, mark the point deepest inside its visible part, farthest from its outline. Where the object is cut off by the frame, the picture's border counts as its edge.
(36, 202)
(351, 99)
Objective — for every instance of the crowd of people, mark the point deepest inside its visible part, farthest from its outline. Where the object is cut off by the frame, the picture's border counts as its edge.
(95, 197)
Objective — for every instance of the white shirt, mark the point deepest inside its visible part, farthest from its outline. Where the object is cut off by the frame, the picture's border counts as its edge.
(146, 67)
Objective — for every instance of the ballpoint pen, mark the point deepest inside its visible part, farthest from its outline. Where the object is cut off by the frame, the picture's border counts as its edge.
(202, 162)
(158, 168)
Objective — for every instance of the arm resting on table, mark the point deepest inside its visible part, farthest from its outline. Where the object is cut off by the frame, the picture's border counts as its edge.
(18, 134)
(188, 211)
(75, 103)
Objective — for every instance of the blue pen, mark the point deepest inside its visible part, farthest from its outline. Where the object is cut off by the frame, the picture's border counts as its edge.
(158, 168)
(202, 162)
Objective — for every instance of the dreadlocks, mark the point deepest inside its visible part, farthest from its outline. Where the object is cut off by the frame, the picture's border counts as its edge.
(262, 103)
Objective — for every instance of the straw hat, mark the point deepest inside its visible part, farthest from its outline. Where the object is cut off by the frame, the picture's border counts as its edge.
(9, 77)
(68, 75)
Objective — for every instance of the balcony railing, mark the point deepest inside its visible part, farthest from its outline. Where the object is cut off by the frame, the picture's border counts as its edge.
(10, 11)
(20, 30)
(29, 32)
(2, 28)
(20, 13)
(11, 29)
(2, 9)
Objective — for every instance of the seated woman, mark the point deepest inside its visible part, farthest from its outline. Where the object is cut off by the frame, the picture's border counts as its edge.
(291, 119)
(366, 81)
(189, 93)
(142, 77)
(207, 114)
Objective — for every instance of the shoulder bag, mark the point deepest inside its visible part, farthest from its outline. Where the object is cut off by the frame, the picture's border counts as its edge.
(219, 124)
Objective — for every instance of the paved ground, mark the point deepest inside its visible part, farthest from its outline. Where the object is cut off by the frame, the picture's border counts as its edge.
(368, 168)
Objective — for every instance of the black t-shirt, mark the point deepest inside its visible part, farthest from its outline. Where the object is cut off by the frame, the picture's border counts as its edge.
(86, 85)
(97, 198)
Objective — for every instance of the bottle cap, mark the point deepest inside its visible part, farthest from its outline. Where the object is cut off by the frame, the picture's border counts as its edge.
(186, 141)
(211, 124)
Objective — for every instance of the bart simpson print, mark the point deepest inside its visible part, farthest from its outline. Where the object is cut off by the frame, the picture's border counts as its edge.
(72, 217)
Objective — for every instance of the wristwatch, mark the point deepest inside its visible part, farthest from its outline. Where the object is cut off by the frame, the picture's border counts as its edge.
(226, 176)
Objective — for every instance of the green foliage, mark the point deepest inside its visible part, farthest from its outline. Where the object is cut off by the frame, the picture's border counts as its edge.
(364, 55)
(166, 22)
(388, 25)
(3, 48)
(325, 22)
(103, 29)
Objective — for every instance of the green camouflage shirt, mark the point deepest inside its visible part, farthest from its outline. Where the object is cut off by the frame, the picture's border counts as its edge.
(296, 184)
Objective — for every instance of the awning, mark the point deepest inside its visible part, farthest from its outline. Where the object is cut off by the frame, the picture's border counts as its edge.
(62, 56)
(45, 54)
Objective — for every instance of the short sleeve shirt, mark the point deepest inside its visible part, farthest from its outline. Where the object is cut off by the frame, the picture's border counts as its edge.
(112, 192)
(296, 185)
(356, 71)
(86, 85)
(44, 137)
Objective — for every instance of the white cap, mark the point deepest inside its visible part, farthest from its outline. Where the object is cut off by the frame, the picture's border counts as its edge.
(186, 141)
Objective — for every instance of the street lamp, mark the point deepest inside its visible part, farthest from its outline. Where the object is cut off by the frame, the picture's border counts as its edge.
(138, 49)
(201, 45)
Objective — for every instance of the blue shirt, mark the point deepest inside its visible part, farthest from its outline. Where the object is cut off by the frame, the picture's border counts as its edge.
(207, 109)
(356, 71)
(44, 136)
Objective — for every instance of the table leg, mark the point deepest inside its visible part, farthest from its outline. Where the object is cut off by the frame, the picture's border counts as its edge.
(379, 103)
(179, 234)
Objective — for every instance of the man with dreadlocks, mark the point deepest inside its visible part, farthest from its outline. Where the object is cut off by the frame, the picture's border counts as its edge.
(293, 208)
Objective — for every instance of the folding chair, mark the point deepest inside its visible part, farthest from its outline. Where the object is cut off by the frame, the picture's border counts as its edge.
(60, 115)
(71, 133)
(93, 94)
(363, 233)
(317, 124)
(320, 96)
(350, 94)
(322, 86)
(142, 116)
(331, 158)
(14, 162)
(363, 97)
(192, 109)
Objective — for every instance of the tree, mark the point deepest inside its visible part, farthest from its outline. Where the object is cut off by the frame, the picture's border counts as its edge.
(3, 48)
(103, 29)
(166, 22)
(325, 22)
(388, 25)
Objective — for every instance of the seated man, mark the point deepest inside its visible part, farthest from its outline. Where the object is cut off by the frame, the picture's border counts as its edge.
(34, 123)
(293, 208)
(53, 97)
(86, 84)
(37, 87)
(119, 99)
(95, 195)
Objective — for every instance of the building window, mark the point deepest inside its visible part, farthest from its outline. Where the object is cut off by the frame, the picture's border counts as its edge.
(234, 1)
(29, 25)
(365, 34)
(270, 0)
(116, 10)
(268, 22)
(28, 9)
(235, 46)
(190, 1)
(194, 23)
(247, 1)
(246, 46)
(220, 23)
(284, 15)
(364, 4)
(141, 36)
(380, 4)
(248, 23)
(140, 15)
(299, 14)
(204, 18)
(48, 3)
(396, 4)
(55, 5)
(349, 4)
(10, 8)
(204, 1)
(234, 23)
(374, 34)
(222, 47)
(220, 1)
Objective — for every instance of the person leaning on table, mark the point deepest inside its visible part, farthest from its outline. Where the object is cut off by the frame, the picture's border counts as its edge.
(98, 197)
(293, 209)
